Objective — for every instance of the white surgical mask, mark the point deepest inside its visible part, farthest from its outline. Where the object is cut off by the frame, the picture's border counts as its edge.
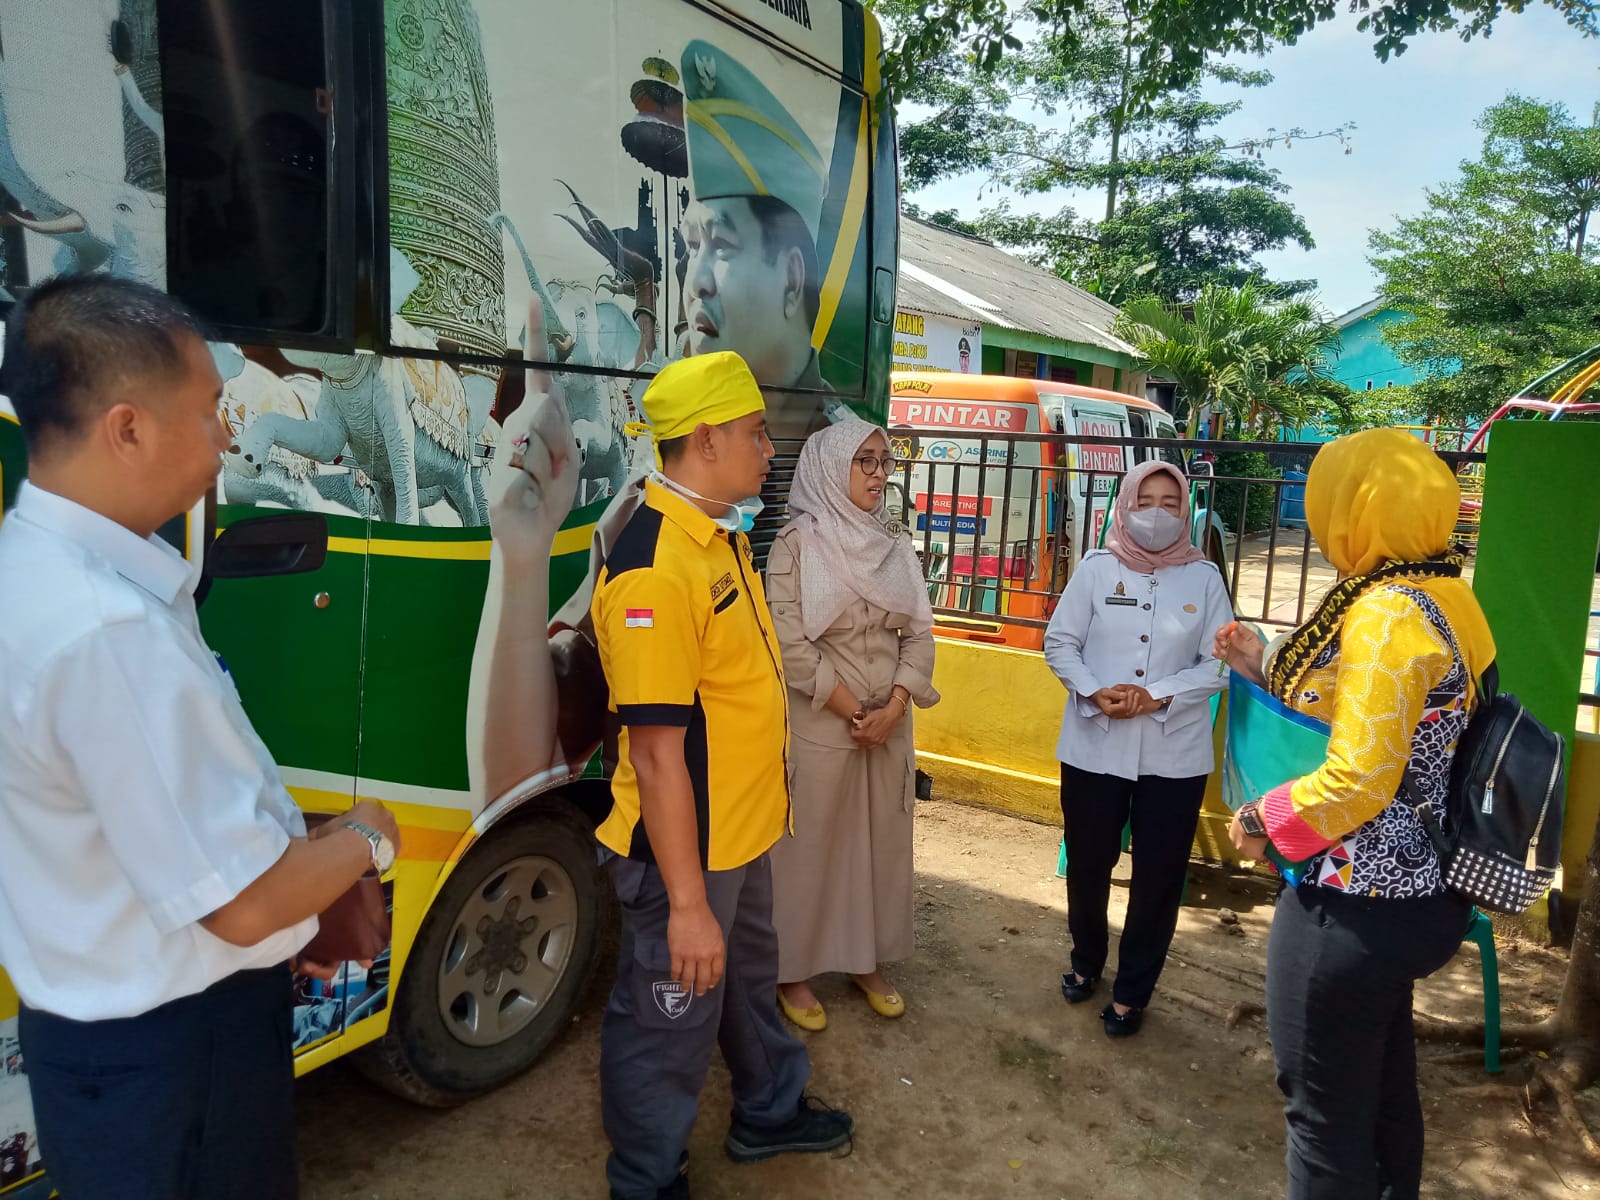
(1153, 528)
(740, 516)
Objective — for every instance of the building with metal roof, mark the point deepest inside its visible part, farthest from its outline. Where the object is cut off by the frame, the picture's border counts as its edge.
(1014, 318)
(1365, 360)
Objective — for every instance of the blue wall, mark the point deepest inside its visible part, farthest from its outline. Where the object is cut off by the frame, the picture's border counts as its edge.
(1364, 362)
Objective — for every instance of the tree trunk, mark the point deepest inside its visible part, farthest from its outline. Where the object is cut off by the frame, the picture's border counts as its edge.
(1111, 175)
(1120, 118)
(1577, 1018)
(1571, 1035)
(1196, 404)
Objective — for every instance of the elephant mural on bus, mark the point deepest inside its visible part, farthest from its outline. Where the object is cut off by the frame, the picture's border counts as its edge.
(418, 429)
(67, 156)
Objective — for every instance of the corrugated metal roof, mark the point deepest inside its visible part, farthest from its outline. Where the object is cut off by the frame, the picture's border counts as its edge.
(1348, 319)
(951, 274)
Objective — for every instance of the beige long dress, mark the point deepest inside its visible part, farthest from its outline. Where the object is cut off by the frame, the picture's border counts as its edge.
(842, 884)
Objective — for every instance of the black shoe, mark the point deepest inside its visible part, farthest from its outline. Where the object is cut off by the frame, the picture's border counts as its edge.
(814, 1128)
(678, 1189)
(1120, 1025)
(1078, 990)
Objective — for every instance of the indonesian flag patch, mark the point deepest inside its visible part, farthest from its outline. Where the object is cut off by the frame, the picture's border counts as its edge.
(639, 618)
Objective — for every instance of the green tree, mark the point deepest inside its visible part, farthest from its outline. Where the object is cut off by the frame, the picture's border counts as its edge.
(1501, 271)
(1191, 209)
(1257, 359)
(1554, 162)
(1182, 206)
(1186, 35)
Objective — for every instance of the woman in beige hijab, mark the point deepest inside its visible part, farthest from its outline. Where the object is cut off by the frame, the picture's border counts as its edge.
(852, 617)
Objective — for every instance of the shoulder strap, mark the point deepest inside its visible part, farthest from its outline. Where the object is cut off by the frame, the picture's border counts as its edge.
(1428, 816)
(1425, 811)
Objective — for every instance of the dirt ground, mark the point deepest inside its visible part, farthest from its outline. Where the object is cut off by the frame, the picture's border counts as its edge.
(990, 1085)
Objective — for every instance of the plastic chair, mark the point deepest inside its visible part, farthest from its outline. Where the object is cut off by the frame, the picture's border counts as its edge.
(1127, 840)
(1480, 930)
(1061, 857)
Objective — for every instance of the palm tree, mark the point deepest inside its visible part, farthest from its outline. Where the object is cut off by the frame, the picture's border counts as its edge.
(1254, 357)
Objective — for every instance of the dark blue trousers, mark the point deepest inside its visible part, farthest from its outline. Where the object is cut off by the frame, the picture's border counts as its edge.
(190, 1101)
(656, 1038)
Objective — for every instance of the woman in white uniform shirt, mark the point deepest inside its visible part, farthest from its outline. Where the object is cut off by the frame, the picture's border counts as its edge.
(1131, 639)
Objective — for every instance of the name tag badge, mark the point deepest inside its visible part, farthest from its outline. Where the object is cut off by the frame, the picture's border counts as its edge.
(1121, 600)
(222, 665)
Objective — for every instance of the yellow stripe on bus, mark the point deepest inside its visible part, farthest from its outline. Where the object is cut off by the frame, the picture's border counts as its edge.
(844, 250)
(568, 541)
(427, 834)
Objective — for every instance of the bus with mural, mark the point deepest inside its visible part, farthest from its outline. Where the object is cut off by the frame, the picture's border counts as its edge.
(395, 217)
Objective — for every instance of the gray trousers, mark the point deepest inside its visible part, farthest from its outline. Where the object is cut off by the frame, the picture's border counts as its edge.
(656, 1037)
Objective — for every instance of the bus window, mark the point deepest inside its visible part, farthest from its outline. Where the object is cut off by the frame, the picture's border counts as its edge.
(247, 108)
(1140, 426)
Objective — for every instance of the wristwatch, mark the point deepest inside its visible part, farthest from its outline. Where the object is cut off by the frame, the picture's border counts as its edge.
(1250, 819)
(382, 847)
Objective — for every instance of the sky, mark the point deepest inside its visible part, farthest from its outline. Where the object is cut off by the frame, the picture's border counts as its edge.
(1414, 118)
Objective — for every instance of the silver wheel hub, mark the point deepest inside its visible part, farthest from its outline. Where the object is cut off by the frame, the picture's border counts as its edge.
(508, 950)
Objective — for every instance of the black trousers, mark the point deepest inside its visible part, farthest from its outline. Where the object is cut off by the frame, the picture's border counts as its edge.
(657, 1038)
(1094, 809)
(1340, 970)
(190, 1101)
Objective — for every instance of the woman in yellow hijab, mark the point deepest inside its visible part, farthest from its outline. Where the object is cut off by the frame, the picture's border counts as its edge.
(1389, 661)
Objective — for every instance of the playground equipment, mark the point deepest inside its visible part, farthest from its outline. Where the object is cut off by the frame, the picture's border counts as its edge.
(1581, 375)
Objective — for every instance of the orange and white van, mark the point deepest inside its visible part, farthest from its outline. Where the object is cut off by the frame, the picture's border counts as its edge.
(1001, 523)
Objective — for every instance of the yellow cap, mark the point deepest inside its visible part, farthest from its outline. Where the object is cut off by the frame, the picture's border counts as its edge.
(706, 389)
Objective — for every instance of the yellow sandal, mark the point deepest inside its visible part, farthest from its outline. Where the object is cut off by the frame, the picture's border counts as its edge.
(812, 1020)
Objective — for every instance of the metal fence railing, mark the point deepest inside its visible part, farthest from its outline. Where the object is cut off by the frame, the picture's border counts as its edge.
(988, 527)
(1000, 521)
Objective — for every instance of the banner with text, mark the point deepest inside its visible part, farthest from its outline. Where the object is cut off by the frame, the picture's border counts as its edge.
(924, 343)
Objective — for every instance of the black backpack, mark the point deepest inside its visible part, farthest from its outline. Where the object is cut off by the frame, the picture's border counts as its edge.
(1499, 839)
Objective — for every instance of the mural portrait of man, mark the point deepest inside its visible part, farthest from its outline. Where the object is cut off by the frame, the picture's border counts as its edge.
(752, 283)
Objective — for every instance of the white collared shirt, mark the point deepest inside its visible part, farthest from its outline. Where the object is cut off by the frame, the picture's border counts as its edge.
(135, 798)
(1115, 625)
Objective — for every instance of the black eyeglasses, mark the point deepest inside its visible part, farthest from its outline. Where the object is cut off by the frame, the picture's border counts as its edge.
(870, 464)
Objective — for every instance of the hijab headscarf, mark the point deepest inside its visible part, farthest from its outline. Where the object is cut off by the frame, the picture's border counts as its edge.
(1381, 496)
(846, 553)
(1118, 540)
(1382, 507)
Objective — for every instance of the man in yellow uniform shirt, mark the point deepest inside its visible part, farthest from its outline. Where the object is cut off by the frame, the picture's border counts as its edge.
(699, 797)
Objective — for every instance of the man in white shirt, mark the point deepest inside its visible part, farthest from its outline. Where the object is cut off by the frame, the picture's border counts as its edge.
(155, 877)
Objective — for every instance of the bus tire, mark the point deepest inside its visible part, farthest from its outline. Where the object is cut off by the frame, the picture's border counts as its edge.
(474, 1009)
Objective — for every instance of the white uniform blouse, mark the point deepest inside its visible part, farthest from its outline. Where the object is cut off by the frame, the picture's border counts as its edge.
(1115, 625)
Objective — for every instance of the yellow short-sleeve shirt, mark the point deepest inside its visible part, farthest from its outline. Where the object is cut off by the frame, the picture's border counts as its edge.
(686, 640)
